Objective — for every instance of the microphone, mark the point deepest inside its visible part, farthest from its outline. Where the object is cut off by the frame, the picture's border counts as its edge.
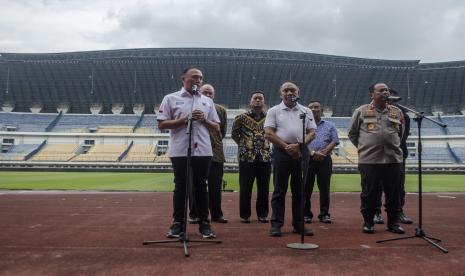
(195, 89)
(393, 98)
(294, 98)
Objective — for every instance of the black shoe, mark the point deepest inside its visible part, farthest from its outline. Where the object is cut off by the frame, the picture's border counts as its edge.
(396, 229)
(193, 220)
(325, 219)
(368, 228)
(275, 232)
(245, 220)
(377, 219)
(220, 220)
(405, 220)
(206, 231)
(307, 232)
(307, 219)
(175, 230)
(263, 220)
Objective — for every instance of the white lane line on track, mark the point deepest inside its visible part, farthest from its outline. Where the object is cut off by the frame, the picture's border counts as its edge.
(35, 226)
(446, 196)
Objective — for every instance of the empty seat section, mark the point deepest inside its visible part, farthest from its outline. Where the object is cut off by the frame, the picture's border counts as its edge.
(148, 124)
(25, 122)
(455, 124)
(437, 155)
(18, 152)
(100, 123)
(101, 153)
(140, 153)
(57, 152)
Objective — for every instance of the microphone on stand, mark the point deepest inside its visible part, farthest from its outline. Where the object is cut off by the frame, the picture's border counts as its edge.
(393, 98)
(195, 89)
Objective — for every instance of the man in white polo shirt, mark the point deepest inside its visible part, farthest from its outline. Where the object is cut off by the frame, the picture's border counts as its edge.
(283, 128)
(173, 115)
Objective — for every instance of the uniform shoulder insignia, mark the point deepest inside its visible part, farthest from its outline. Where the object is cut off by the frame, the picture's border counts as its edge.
(393, 113)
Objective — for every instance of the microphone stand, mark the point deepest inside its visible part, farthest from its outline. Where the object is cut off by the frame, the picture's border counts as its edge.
(419, 232)
(184, 238)
(304, 165)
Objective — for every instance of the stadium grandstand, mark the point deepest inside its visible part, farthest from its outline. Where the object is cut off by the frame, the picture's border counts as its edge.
(97, 110)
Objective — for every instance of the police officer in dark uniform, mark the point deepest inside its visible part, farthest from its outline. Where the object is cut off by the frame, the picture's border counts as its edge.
(376, 130)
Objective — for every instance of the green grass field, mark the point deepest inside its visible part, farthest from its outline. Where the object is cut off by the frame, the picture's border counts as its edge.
(100, 181)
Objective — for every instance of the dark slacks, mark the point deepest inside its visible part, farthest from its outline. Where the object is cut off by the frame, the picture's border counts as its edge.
(199, 199)
(401, 192)
(215, 183)
(248, 172)
(375, 177)
(284, 166)
(320, 171)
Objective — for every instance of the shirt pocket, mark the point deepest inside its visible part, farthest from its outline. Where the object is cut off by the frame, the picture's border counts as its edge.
(371, 124)
(178, 112)
(205, 107)
(393, 125)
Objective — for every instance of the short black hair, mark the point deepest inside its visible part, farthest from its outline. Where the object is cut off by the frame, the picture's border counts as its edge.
(314, 101)
(256, 92)
(288, 81)
(189, 68)
(371, 88)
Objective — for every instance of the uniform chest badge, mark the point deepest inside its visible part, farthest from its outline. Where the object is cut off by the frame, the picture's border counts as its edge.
(371, 126)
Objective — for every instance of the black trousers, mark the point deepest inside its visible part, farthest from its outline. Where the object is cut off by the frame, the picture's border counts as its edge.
(284, 166)
(248, 172)
(215, 183)
(375, 177)
(401, 192)
(199, 197)
(320, 171)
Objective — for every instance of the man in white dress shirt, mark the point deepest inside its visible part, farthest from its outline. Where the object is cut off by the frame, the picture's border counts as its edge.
(283, 128)
(173, 115)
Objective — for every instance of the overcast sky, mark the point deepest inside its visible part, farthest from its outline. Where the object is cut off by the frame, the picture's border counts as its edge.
(428, 30)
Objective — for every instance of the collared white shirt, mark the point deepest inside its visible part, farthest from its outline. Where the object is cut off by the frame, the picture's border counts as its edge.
(287, 122)
(180, 104)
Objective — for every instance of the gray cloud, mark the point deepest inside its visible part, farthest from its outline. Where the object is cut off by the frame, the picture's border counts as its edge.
(427, 30)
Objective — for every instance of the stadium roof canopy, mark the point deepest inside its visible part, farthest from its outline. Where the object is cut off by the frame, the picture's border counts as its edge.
(144, 76)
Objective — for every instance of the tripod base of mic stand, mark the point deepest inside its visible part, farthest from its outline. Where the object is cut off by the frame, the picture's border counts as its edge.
(302, 246)
(419, 233)
(182, 239)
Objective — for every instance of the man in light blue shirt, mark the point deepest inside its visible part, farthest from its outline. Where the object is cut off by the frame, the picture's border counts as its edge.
(321, 165)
